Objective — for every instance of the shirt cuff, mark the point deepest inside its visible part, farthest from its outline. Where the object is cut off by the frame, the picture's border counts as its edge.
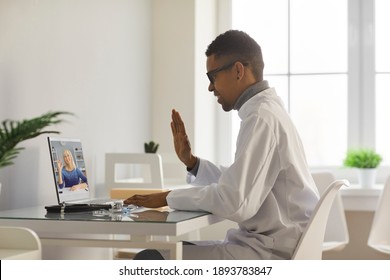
(194, 170)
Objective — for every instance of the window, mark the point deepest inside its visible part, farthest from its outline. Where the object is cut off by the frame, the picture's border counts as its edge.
(382, 79)
(320, 55)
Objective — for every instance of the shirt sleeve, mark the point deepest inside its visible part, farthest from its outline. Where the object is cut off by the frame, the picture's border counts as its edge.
(82, 176)
(207, 173)
(194, 170)
(61, 186)
(242, 188)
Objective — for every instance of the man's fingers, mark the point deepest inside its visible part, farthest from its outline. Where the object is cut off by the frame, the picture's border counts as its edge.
(178, 122)
(173, 128)
(136, 199)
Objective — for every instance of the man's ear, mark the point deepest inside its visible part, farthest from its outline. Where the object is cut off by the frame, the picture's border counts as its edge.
(239, 70)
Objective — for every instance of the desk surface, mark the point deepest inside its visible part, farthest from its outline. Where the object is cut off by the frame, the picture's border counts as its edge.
(140, 222)
(90, 229)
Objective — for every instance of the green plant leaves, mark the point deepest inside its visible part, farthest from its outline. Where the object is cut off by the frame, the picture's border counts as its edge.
(14, 132)
(362, 158)
(151, 147)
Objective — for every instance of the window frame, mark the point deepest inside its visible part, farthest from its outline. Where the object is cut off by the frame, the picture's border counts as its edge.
(361, 84)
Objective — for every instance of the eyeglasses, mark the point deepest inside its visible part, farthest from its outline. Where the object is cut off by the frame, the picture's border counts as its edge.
(211, 74)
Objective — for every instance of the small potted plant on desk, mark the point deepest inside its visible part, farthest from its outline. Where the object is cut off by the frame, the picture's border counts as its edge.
(14, 132)
(366, 161)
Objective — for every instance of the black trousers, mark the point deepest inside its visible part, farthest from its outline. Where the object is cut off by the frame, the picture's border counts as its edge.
(152, 254)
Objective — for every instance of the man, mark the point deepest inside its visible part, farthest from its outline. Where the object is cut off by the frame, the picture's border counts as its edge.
(268, 190)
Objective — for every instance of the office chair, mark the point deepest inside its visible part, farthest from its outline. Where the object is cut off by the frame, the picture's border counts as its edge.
(310, 244)
(141, 172)
(132, 173)
(336, 233)
(379, 238)
(19, 243)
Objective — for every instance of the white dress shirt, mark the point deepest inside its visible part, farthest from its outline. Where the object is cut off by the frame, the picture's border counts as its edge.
(268, 190)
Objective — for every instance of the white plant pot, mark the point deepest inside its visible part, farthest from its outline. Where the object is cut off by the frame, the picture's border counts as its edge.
(367, 177)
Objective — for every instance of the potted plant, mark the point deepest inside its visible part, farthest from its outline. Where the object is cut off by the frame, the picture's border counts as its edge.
(151, 147)
(13, 132)
(366, 161)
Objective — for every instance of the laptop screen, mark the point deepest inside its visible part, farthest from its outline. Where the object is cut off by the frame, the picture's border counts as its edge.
(69, 170)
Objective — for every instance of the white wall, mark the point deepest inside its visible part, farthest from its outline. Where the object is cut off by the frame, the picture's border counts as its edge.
(182, 32)
(89, 57)
(120, 66)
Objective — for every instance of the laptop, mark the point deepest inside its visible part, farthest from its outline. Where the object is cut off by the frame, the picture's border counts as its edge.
(70, 172)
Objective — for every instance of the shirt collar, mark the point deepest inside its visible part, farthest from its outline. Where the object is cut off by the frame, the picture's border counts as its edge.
(249, 93)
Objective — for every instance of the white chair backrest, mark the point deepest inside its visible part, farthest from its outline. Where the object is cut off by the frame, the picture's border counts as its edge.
(19, 243)
(336, 233)
(379, 237)
(142, 170)
(310, 244)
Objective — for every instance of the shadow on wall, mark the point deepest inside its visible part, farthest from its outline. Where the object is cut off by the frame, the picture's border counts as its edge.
(359, 225)
(19, 193)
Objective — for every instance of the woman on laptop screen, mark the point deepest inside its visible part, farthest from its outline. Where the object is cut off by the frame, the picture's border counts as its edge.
(69, 176)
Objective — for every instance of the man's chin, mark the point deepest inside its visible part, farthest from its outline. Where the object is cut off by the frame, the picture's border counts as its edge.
(226, 108)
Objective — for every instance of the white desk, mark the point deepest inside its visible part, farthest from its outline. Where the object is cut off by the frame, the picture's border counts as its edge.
(55, 229)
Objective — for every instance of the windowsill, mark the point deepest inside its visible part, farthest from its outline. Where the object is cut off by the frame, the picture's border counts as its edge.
(356, 198)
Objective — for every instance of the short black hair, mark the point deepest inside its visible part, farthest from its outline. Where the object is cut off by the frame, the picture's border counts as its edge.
(238, 45)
